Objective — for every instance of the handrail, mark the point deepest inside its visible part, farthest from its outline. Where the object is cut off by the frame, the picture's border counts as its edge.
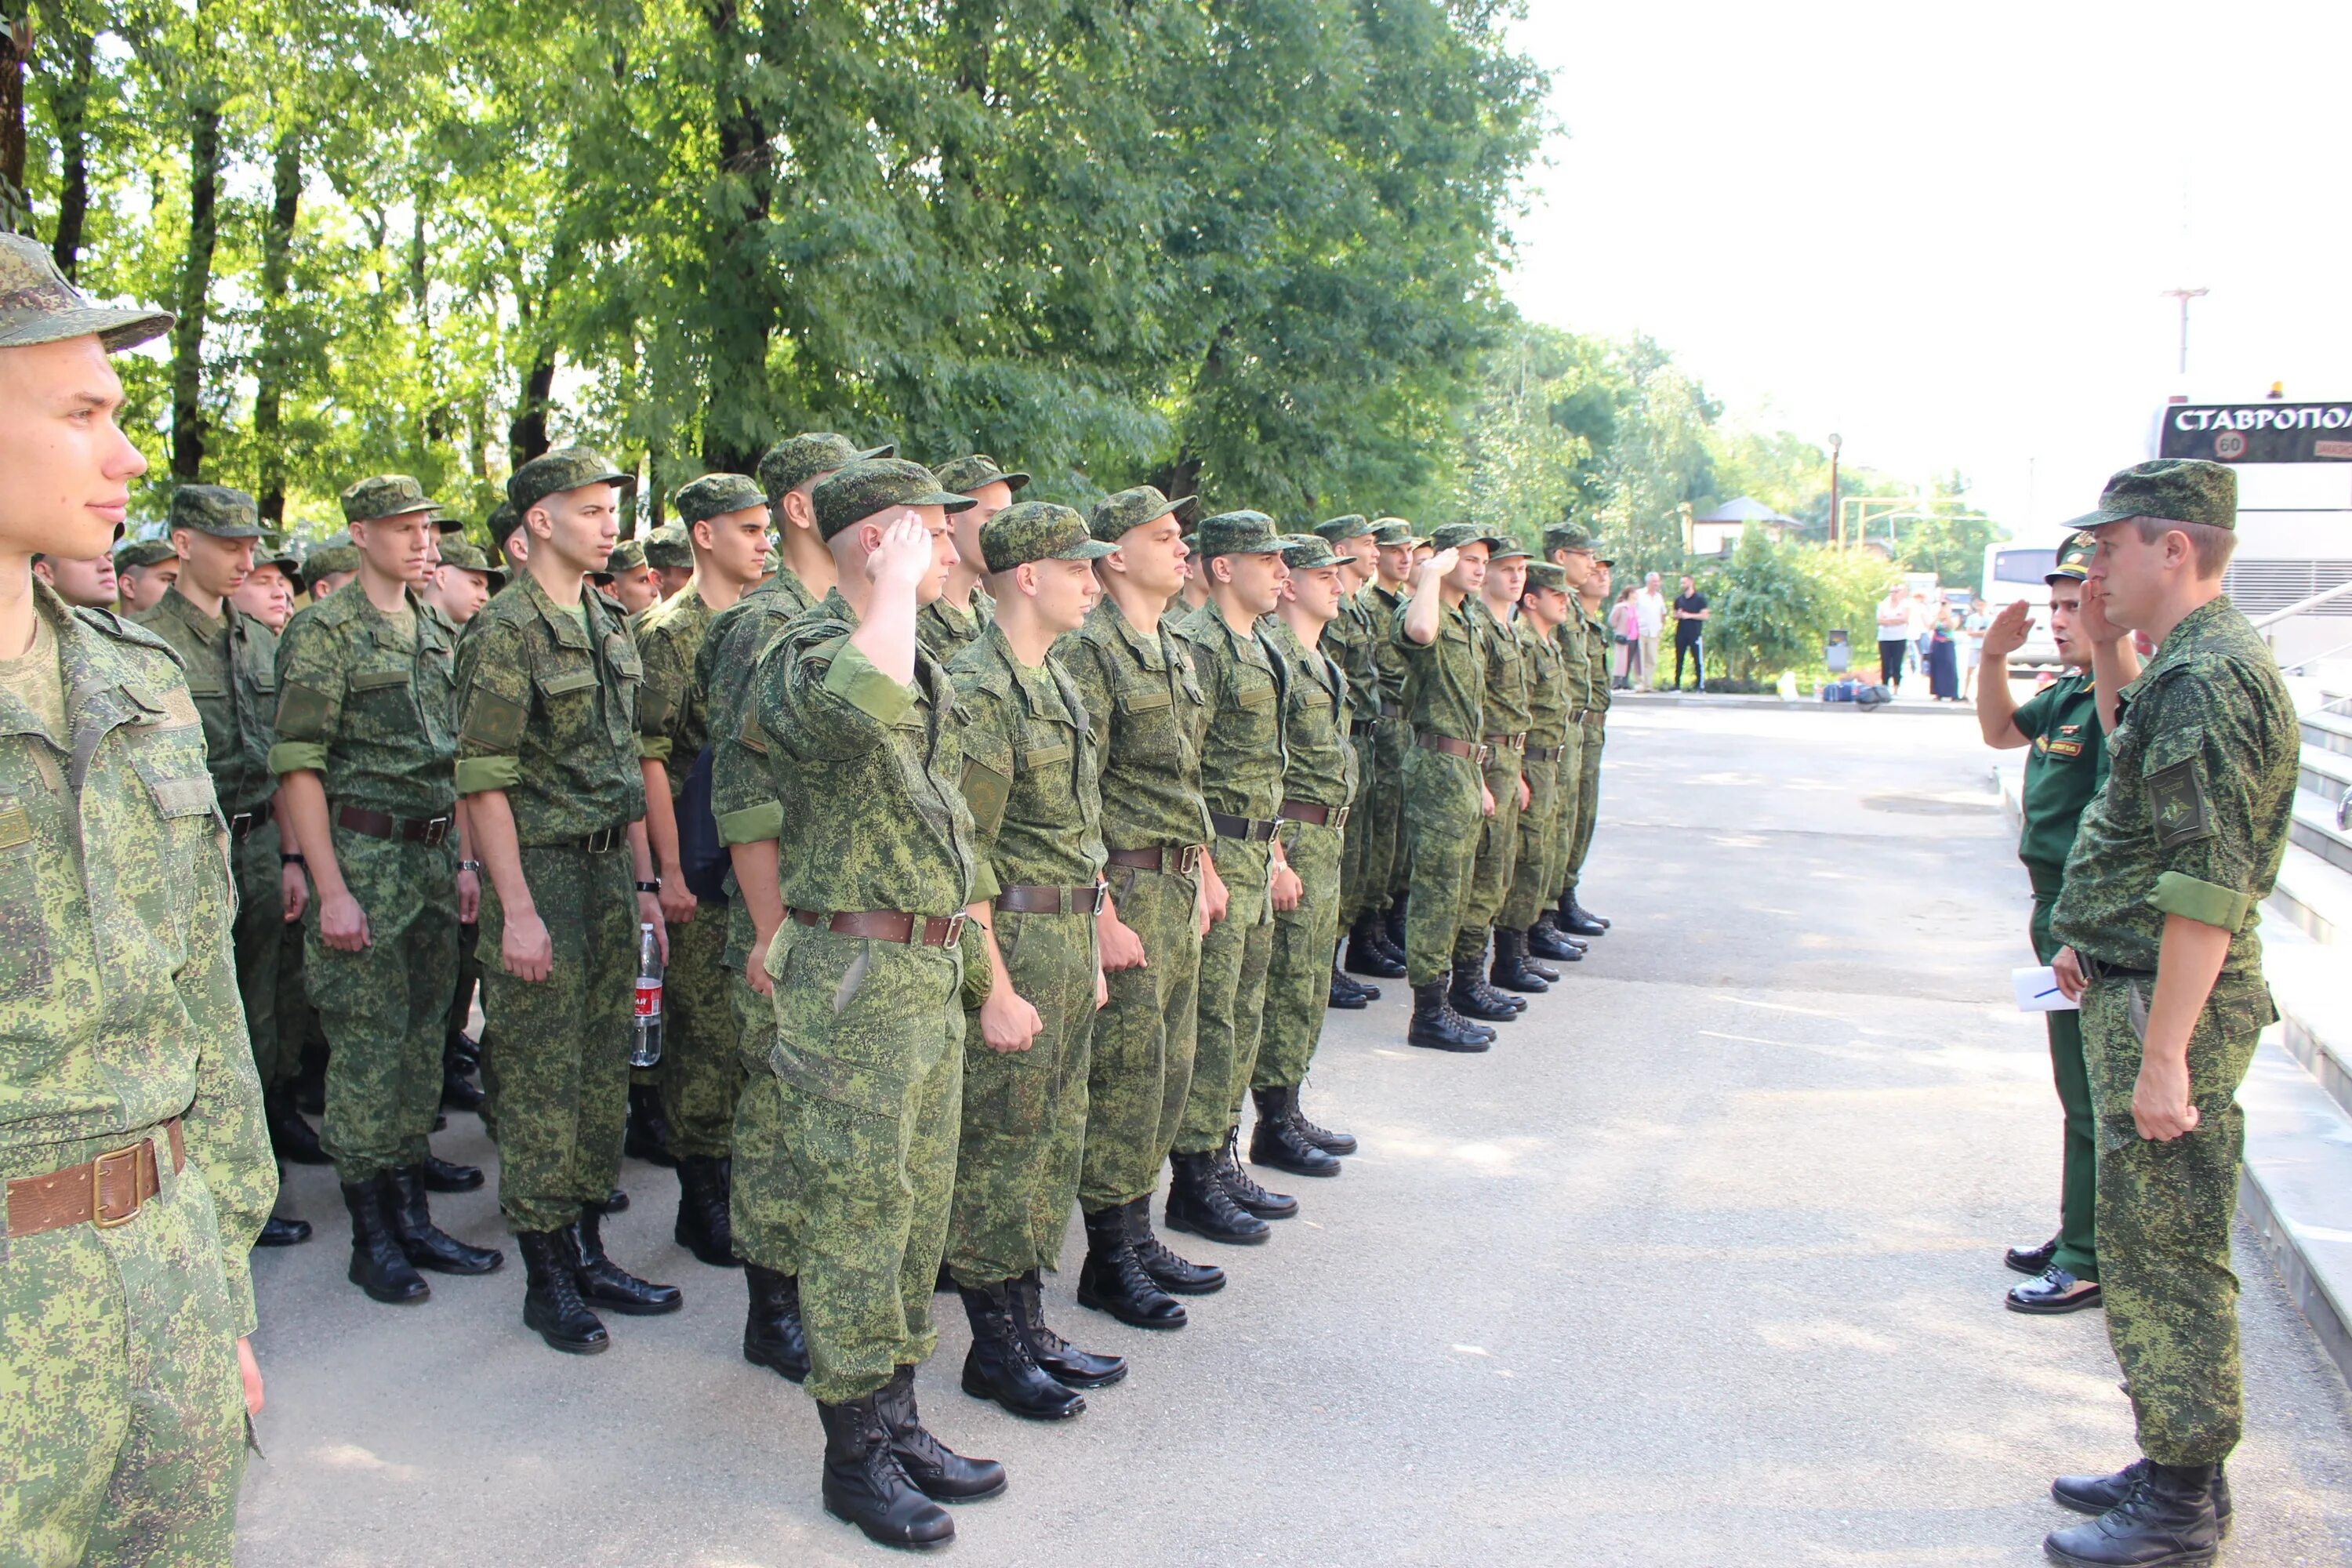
(2326, 595)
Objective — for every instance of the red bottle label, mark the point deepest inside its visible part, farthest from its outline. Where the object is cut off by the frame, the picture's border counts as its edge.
(649, 999)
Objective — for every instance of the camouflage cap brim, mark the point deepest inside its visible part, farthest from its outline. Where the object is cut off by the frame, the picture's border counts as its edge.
(114, 329)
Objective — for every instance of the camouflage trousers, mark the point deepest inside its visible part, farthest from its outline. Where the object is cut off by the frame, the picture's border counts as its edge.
(1024, 1112)
(1443, 825)
(559, 1079)
(259, 935)
(1578, 817)
(1139, 1070)
(121, 1414)
(700, 1072)
(296, 1021)
(2163, 1213)
(383, 1007)
(867, 1070)
(760, 1195)
(1535, 880)
(1381, 800)
(1233, 956)
(1364, 863)
(1298, 969)
(1499, 857)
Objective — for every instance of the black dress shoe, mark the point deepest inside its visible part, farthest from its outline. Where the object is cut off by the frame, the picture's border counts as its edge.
(647, 1134)
(427, 1245)
(1112, 1280)
(2168, 1515)
(1436, 1025)
(866, 1486)
(2095, 1495)
(772, 1333)
(294, 1139)
(999, 1367)
(551, 1307)
(705, 1219)
(605, 1283)
(2056, 1291)
(1177, 1276)
(279, 1232)
(379, 1267)
(447, 1176)
(1062, 1361)
(1345, 994)
(2031, 1260)
(1276, 1141)
(1198, 1205)
(937, 1471)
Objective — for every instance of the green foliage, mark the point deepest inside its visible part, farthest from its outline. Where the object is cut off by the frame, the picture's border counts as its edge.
(1775, 605)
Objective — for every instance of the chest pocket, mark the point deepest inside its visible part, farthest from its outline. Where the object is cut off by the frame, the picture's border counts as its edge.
(22, 927)
(567, 690)
(1155, 716)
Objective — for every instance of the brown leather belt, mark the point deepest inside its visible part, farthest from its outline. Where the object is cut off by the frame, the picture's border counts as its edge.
(1511, 742)
(1248, 828)
(1546, 754)
(2100, 969)
(1053, 900)
(376, 824)
(105, 1192)
(1364, 727)
(1176, 860)
(1392, 710)
(1578, 715)
(1429, 741)
(888, 925)
(603, 841)
(1334, 817)
(245, 823)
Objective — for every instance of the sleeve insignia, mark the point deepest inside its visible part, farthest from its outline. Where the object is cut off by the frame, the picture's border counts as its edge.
(2177, 805)
(494, 721)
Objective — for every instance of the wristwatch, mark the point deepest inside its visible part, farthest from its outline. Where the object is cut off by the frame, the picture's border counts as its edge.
(652, 887)
(473, 866)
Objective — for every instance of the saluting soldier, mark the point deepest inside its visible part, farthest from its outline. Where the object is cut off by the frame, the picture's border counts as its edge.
(1543, 614)
(953, 622)
(1351, 639)
(1033, 761)
(1137, 682)
(1568, 915)
(547, 724)
(1319, 781)
(1483, 995)
(2170, 862)
(1376, 940)
(131, 1145)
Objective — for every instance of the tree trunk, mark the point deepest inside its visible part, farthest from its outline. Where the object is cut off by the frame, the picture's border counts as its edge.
(16, 47)
(526, 435)
(69, 109)
(273, 366)
(196, 285)
(737, 289)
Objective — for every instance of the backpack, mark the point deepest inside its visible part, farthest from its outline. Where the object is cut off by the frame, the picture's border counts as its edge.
(701, 857)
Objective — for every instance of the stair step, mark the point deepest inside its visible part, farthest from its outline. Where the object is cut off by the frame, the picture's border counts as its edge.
(2312, 895)
(2314, 828)
(2327, 775)
(2328, 731)
(2297, 1190)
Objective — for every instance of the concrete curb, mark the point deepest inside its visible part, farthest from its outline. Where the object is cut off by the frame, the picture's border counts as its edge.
(1759, 699)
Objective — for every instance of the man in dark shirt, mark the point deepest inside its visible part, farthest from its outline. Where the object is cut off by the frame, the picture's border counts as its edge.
(1690, 632)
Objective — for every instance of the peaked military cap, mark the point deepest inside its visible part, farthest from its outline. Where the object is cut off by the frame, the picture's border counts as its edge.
(1115, 516)
(385, 495)
(1547, 574)
(553, 473)
(712, 495)
(796, 459)
(1391, 532)
(1305, 552)
(464, 555)
(1566, 536)
(336, 555)
(40, 305)
(286, 561)
(1238, 534)
(443, 522)
(216, 509)
(629, 555)
(875, 484)
(1510, 549)
(1038, 531)
(965, 475)
(1354, 525)
(144, 553)
(2172, 489)
(668, 545)
(1454, 536)
(2073, 559)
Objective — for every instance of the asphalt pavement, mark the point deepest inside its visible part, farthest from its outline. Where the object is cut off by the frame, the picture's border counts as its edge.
(1700, 1266)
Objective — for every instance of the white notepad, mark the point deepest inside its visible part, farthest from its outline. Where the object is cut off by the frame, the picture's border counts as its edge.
(2037, 991)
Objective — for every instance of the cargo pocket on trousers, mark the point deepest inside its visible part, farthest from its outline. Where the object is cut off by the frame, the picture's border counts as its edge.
(848, 1056)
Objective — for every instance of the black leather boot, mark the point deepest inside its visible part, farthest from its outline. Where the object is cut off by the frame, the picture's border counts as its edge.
(441, 1176)
(1062, 1361)
(1276, 1141)
(1345, 994)
(551, 1300)
(937, 1471)
(704, 1224)
(1545, 941)
(1112, 1279)
(648, 1137)
(1469, 997)
(1366, 954)
(1509, 970)
(462, 1048)
(278, 1231)
(2096, 1494)
(1177, 1276)
(1392, 931)
(999, 1365)
(378, 1265)
(1198, 1203)
(294, 1139)
(1323, 1138)
(605, 1283)
(866, 1486)
(772, 1335)
(615, 1202)
(2169, 1514)
(1437, 1025)
(457, 1091)
(427, 1245)
(1576, 920)
(1243, 1188)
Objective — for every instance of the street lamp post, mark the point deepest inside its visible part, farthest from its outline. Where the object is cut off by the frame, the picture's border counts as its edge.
(1837, 523)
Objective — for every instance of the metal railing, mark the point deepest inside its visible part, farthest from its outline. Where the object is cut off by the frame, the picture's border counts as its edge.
(2304, 606)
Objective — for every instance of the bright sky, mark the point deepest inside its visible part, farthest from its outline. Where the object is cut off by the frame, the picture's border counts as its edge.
(1943, 231)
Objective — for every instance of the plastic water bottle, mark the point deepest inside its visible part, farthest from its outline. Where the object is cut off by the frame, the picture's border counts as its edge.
(645, 1046)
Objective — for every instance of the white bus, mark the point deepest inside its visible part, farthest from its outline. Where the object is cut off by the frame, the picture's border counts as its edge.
(2014, 572)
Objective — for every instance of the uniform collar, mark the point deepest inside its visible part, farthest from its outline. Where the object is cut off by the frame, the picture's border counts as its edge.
(561, 623)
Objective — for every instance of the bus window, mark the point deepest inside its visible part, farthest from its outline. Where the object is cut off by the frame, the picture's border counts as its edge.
(2023, 568)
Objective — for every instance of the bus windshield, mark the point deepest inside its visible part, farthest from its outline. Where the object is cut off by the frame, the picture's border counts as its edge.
(2023, 568)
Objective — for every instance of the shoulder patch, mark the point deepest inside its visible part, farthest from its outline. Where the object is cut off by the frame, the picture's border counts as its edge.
(2177, 805)
(302, 711)
(493, 721)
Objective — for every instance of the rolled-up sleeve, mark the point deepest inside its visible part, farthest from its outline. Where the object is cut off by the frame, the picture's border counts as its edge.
(827, 702)
(493, 698)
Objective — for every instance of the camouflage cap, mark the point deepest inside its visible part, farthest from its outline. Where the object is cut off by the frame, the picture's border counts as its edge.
(1115, 516)
(2074, 557)
(713, 495)
(2171, 489)
(286, 561)
(667, 546)
(553, 473)
(1354, 525)
(336, 555)
(1545, 574)
(1566, 536)
(629, 555)
(144, 553)
(796, 459)
(1454, 536)
(385, 495)
(1238, 534)
(772, 562)
(1038, 531)
(1305, 552)
(1510, 549)
(1391, 532)
(467, 556)
(446, 522)
(875, 484)
(215, 509)
(965, 475)
(40, 305)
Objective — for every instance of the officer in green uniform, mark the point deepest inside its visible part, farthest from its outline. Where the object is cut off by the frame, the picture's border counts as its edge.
(1446, 803)
(1319, 784)
(1352, 641)
(1542, 629)
(547, 725)
(132, 1148)
(879, 872)
(725, 517)
(1496, 610)
(2067, 766)
(1032, 766)
(1376, 942)
(1239, 558)
(750, 817)
(231, 661)
(2156, 913)
(365, 761)
(953, 622)
(1592, 716)
(1137, 684)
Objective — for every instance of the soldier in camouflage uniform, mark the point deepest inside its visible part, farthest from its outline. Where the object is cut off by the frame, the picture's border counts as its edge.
(669, 551)
(880, 869)
(1376, 940)
(1582, 669)
(365, 758)
(131, 1145)
(1032, 762)
(626, 582)
(1535, 880)
(701, 1074)
(1137, 683)
(460, 586)
(749, 818)
(1495, 611)
(546, 706)
(1591, 719)
(953, 622)
(2170, 864)
(1319, 781)
(231, 661)
(1352, 641)
(143, 570)
(328, 566)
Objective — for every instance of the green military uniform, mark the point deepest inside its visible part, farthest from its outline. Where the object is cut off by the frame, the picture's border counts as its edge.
(231, 661)
(1351, 640)
(546, 705)
(2192, 822)
(946, 630)
(1241, 780)
(1535, 879)
(363, 703)
(464, 554)
(867, 1060)
(1387, 868)
(1444, 699)
(1591, 719)
(1505, 705)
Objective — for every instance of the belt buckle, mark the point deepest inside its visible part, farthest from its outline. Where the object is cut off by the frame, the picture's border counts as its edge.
(601, 842)
(1101, 890)
(1339, 823)
(241, 824)
(436, 830)
(955, 928)
(1483, 753)
(1187, 859)
(98, 1168)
